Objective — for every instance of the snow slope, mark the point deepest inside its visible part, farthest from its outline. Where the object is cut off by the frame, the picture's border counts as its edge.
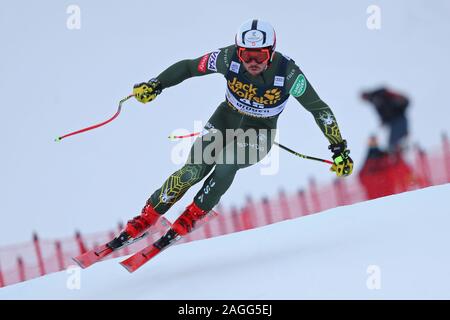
(323, 256)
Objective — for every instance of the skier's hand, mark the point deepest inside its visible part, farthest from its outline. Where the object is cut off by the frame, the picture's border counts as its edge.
(343, 164)
(147, 91)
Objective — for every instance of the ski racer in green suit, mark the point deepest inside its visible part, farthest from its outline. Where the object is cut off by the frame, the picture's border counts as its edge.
(259, 83)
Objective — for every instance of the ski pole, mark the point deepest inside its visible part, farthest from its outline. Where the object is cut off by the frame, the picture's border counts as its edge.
(119, 109)
(276, 143)
(173, 137)
(302, 155)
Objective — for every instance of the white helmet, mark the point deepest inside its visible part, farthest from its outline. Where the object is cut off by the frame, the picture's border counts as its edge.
(256, 33)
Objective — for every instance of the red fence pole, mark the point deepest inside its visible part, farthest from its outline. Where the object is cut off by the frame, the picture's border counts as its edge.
(341, 192)
(221, 220)
(207, 231)
(424, 168)
(21, 268)
(314, 196)
(222, 223)
(235, 219)
(446, 152)
(284, 205)
(37, 248)
(2, 281)
(252, 214)
(304, 210)
(80, 242)
(246, 218)
(59, 255)
(267, 211)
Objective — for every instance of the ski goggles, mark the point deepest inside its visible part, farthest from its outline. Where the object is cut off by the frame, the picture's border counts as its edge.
(259, 55)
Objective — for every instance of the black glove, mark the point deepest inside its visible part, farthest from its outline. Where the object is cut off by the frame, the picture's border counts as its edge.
(343, 164)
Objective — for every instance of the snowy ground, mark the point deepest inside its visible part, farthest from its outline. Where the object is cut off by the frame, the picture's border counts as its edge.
(391, 248)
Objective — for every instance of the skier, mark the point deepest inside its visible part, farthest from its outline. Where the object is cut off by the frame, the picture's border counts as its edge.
(259, 83)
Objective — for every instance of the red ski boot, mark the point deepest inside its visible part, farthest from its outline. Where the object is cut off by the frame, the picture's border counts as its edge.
(185, 223)
(136, 228)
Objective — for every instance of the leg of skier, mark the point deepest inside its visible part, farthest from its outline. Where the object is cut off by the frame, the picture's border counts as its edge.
(167, 195)
(203, 157)
(173, 189)
(222, 177)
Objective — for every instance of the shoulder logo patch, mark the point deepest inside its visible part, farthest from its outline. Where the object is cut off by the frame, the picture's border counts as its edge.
(212, 61)
(299, 86)
(202, 63)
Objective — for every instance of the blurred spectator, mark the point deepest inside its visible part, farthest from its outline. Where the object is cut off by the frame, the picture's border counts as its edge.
(374, 151)
(391, 107)
(384, 173)
(401, 174)
(374, 173)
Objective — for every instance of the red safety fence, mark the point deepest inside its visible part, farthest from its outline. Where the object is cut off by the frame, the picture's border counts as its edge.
(378, 178)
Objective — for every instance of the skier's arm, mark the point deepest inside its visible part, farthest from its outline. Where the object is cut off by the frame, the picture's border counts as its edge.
(181, 71)
(300, 88)
(213, 62)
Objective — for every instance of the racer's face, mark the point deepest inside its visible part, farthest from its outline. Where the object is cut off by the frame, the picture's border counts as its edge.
(255, 68)
(255, 60)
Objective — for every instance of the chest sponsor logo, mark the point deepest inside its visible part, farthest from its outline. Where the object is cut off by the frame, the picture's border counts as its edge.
(248, 94)
(234, 67)
(299, 86)
(202, 64)
(278, 82)
(212, 61)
